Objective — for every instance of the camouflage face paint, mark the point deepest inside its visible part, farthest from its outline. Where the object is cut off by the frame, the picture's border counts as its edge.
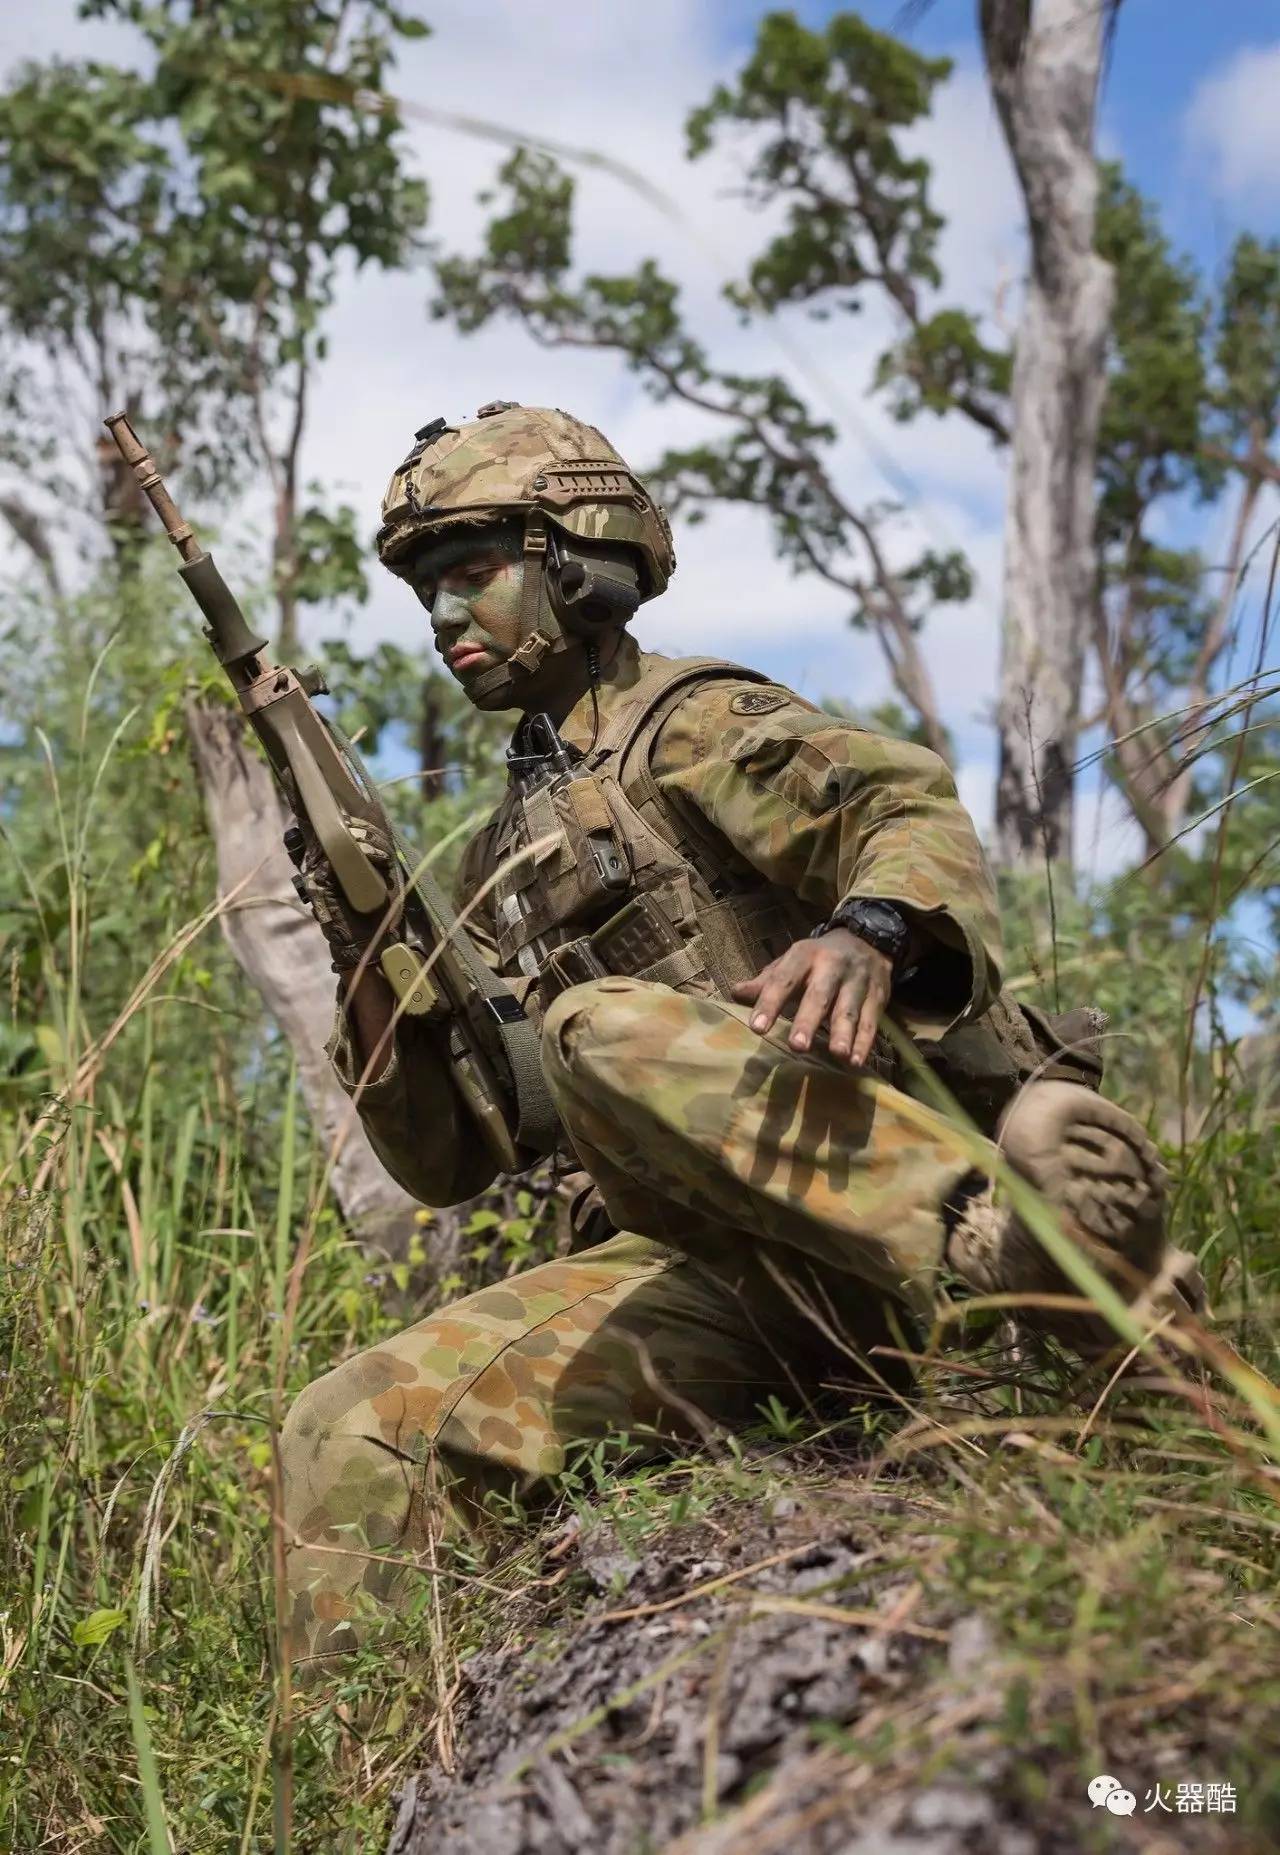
(471, 584)
(475, 614)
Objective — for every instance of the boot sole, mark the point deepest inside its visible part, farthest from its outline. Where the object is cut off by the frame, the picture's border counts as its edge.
(1092, 1161)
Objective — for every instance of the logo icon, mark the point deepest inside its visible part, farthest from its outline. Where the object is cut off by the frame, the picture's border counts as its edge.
(1194, 1797)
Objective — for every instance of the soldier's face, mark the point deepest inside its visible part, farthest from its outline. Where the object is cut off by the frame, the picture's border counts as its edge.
(473, 592)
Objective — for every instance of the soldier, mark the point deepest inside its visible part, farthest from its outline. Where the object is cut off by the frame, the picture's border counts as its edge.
(710, 907)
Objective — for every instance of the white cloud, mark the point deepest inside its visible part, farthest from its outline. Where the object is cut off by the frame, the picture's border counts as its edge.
(1233, 115)
(622, 80)
(976, 784)
(624, 85)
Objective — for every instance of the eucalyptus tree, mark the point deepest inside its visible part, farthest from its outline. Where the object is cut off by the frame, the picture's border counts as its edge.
(172, 231)
(823, 121)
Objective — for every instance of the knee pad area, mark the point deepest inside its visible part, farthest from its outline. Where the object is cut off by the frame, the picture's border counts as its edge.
(354, 1390)
(305, 1416)
(600, 1006)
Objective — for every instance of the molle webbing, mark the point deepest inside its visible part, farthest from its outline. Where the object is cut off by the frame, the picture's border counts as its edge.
(731, 919)
(709, 853)
(628, 742)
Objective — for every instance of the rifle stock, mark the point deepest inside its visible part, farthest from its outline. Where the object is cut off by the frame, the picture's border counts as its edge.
(492, 1045)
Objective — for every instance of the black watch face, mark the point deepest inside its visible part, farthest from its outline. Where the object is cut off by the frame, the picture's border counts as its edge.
(880, 915)
(879, 924)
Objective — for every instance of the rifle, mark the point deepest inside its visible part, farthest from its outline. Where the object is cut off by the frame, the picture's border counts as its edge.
(434, 970)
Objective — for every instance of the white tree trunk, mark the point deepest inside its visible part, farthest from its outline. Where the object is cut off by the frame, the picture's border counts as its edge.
(284, 957)
(1044, 60)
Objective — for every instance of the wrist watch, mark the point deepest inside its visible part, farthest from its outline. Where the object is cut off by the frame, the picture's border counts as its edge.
(878, 923)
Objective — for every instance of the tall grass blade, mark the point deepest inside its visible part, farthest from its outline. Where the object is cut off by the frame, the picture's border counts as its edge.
(158, 1840)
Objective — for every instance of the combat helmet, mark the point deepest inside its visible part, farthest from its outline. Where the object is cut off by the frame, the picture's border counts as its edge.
(560, 477)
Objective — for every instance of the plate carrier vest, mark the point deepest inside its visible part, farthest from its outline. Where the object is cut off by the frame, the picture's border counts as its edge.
(601, 873)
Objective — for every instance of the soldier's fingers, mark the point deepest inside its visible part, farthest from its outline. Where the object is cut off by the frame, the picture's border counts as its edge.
(777, 982)
(844, 1016)
(869, 1020)
(821, 986)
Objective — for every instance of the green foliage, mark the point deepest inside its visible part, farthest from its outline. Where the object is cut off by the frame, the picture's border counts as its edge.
(156, 1189)
(331, 554)
(824, 102)
(1247, 350)
(826, 115)
(1187, 419)
(103, 827)
(942, 364)
(376, 689)
(1153, 413)
(233, 157)
(79, 175)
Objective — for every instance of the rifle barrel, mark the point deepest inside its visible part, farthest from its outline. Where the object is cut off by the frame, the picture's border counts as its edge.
(151, 483)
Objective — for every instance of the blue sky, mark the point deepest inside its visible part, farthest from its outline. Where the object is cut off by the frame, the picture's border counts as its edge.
(1163, 52)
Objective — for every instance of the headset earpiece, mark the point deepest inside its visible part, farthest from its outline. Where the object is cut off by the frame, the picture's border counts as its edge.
(588, 600)
(592, 600)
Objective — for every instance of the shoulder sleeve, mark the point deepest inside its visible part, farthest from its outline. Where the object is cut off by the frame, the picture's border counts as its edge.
(413, 1115)
(832, 811)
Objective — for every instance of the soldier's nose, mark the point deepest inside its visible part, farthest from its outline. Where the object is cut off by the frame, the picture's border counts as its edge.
(449, 615)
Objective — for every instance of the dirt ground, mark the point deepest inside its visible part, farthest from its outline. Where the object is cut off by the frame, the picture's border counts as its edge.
(757, 1684)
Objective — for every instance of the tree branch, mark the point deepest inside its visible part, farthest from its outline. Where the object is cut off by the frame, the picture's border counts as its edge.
(27, 528)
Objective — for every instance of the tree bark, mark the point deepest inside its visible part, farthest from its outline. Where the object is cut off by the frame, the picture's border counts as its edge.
(1044, 62)
(1217, 636)
(432, 742)
(284, 957)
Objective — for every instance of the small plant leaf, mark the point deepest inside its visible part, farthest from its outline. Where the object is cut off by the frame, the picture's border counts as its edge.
(96, 1627)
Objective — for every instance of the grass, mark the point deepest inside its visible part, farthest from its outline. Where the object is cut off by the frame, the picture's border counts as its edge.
(171, 1272)
(1119, 1575)
(1120, 1571)
(155, 1188)
(142, 1360)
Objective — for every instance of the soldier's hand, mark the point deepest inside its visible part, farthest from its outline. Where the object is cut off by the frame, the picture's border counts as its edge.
(839, 980)
(353, 938)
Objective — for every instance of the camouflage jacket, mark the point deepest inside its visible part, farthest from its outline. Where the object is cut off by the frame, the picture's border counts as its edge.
(817, 805)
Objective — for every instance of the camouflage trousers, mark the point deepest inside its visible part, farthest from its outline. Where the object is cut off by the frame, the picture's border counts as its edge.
(770, 1208)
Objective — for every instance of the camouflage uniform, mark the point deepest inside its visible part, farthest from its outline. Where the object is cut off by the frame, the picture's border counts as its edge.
(775, 1213)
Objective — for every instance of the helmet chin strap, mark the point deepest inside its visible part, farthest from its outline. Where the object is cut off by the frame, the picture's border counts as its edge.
(539, 629)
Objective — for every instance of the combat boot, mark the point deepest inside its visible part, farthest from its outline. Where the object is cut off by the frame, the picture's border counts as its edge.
(1094, 1165)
